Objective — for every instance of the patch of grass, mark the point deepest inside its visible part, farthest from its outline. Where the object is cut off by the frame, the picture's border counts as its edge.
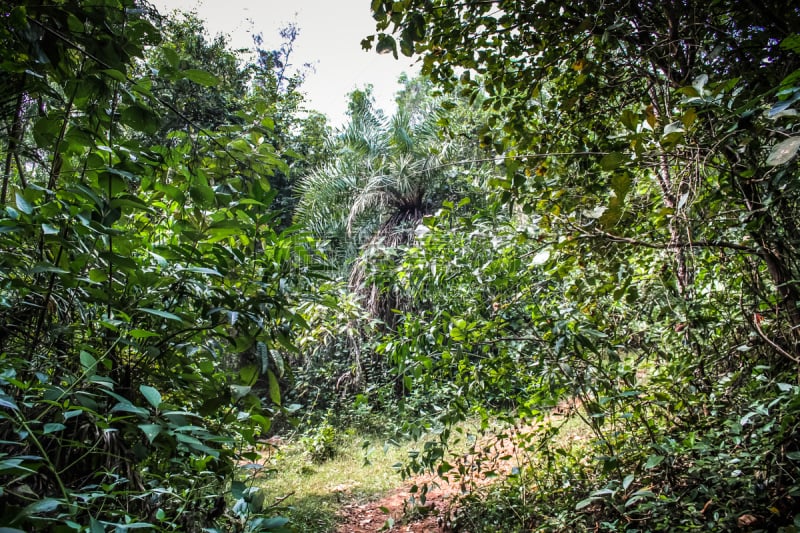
(360, 470)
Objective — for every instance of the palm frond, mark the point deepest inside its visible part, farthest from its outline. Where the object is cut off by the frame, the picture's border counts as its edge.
(384, 176)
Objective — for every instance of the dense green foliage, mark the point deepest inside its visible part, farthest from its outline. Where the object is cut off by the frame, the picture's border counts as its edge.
(581, 222)
(146, 290)
(649, 271)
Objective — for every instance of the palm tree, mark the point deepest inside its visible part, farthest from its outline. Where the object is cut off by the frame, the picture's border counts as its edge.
(385, 175)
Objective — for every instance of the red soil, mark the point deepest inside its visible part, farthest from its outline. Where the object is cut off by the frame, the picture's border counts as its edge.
(398, 512)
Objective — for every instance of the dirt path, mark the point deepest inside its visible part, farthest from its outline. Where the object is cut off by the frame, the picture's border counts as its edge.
(393, 509)
(395, 513)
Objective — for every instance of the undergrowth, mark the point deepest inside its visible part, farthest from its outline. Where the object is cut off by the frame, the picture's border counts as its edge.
(724, 475)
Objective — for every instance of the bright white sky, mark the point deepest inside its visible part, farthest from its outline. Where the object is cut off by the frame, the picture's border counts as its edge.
(330, 39)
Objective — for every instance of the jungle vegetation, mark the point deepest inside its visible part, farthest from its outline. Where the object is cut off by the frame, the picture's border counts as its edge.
(581, 214)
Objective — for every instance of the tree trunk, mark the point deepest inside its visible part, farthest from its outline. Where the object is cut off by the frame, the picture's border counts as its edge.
(14, 139)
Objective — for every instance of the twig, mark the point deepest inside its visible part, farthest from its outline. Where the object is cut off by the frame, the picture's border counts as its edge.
(280, 500)
(510, 339)
(597, 233)
(772, 343)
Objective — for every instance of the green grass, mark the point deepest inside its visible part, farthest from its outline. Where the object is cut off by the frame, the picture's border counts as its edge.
(361, 470)
(311, 493)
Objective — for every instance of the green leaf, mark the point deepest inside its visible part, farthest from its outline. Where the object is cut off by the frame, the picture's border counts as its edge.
(781, 153)
(48, 229)
(128, 200)
(612, 161)
(140, 118)
(263, 421)
(201, 77)
(206, 367)
(111, 183)
(45, 267)
(8, 401)
(46, 131)
(52, 428)
(171, 56)
(98, 275)
(585, 503)
(188, 439)
(653, 461)
(141, 334)
(248, 374)
(115, 75)
(151, 431)
(630, 119)
(639, 495)
(135, 525)
(202, 270)
(274, 389)
(160, 313)
(88, 362)
(15, 464)
(792, 42)
(240, 391)
(202, 195)
(151, 395)
(95, 526)
(127, 407)
(46, 505)
(23, 204)
(237, 489)
(621, 185)
(274, 522)
(627, 481)
(386, 44)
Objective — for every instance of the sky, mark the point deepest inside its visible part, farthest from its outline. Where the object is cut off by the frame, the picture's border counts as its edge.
(330, 39)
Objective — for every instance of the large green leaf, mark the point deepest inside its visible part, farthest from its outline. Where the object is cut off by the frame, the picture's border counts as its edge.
(140, 118)
(23, 204)
(201, 77)
(8, 402)
(274, 388)
(386, 44)
(612, 161)
(160, 313)
(151, 395)
(784, 151)
(151, 431)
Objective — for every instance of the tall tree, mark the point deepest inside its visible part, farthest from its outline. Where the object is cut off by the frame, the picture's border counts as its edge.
(602, 98)
(650, 153)
(384, 174)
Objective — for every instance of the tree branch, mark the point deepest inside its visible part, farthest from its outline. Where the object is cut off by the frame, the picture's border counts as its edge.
(597, 233)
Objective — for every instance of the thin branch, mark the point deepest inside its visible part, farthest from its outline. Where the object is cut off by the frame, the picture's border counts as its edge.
(533, 338)
(772, 343)
(280, 500)
(597, 233)
(503, 158)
